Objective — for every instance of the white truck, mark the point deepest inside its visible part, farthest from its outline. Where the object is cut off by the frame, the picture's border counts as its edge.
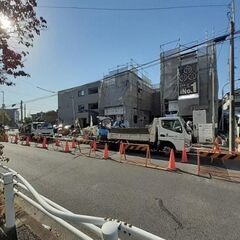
(164, 134)
(37, 129)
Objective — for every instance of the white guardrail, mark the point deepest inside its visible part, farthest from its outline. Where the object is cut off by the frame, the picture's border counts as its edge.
(102, 228)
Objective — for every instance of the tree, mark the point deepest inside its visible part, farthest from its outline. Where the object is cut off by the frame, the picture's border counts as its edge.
(51, 117)
(27, 120)
(4, 118)
(19, 25)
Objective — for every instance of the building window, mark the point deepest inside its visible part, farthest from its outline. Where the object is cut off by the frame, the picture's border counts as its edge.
(81, 93)
(93, 106)
(93, 90)
(80, 108)
(135, 119)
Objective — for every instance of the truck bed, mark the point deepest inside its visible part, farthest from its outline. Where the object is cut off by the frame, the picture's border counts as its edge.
(130, 134)
(130, 130)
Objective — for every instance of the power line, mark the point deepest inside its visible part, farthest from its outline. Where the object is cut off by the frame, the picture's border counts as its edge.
(133, 9)
(148, 64)
(33, 100)
(38, 87)
(156, 61)
(46, 90)
(40, 98)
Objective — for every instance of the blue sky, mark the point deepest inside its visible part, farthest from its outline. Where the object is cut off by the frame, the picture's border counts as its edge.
(80, 46)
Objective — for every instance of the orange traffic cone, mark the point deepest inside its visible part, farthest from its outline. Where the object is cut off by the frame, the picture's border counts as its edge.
(121, 148)
(171, 164)
(216, 148)
(16, 139)
(66, 150)
(57, 143)
(105, 152)
(94, 145)
(73, 144)
(27, 141)
(184, 156)
(44, 144)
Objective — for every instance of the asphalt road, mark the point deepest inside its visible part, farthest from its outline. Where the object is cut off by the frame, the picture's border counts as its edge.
(171, 205)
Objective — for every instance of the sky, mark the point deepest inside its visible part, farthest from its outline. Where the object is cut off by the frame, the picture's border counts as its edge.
(80, 46)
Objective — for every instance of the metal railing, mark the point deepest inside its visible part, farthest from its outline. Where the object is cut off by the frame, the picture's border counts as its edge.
(102, 228)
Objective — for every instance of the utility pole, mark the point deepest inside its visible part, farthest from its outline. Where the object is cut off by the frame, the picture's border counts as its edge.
(24, 111)
(213, 93)
(3, 106)
(231, 93)
(21, 109)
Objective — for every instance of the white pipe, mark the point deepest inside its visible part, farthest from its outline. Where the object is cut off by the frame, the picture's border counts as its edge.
(57, 219)
(67, 216)
(83, 218)
(91, 227)
(9, 200)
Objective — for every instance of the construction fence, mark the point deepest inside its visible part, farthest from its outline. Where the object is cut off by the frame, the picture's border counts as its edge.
(100, 150)
(210, 162)
(218, 164)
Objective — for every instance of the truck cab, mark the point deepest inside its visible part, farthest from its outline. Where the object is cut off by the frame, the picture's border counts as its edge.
(170, 133)
(42, 129)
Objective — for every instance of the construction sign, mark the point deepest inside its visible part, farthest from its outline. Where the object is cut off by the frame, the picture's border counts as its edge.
(188, 81)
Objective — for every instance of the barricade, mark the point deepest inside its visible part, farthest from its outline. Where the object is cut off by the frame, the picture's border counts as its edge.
(57, 145)
(25, 141)
(210, 169)
(135, 147)
(43, 145)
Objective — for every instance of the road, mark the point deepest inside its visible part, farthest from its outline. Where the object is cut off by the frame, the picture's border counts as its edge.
(171, 205)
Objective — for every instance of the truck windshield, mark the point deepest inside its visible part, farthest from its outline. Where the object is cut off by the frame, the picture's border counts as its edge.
(172, 124)
(47, 126)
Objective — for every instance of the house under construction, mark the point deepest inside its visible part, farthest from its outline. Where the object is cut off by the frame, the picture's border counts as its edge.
(124, 94)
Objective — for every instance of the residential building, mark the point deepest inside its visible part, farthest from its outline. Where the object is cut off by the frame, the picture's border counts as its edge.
(123, 94)
(126, 94)
(79, 103)
(189, 82)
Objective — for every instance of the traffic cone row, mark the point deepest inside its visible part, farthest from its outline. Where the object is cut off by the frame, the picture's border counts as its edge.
(172, 164)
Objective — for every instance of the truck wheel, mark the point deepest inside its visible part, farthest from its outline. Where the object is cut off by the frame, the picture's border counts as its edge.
(166, 148)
